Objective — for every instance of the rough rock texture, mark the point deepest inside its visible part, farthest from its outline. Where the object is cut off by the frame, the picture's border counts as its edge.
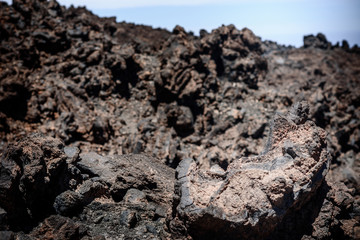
(127, 196)
(105, 89)
(57, 227)
(134, 195)
(256, 193)
(32, 174)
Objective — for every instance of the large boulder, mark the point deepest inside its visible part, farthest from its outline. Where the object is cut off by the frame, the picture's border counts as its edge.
(252, 196)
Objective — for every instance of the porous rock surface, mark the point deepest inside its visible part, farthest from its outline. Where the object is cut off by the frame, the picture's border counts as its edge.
(31, 173)
(102, 89)
(94, 196)
(255, 193)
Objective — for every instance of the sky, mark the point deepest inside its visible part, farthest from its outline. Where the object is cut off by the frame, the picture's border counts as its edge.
(283, 21)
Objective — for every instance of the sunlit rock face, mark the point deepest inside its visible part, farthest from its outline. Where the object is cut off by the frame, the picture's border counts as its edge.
(250, 197)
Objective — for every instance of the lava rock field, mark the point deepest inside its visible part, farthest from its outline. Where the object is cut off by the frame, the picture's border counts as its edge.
(111, 130)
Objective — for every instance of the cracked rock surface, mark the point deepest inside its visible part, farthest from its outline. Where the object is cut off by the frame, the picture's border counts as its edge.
(95, 115)
(87, 196)
(255, 193)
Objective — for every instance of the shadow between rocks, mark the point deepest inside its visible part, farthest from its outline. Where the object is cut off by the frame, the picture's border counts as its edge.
(299, 223)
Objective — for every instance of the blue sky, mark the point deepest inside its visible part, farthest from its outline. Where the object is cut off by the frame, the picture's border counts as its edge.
(283, 21)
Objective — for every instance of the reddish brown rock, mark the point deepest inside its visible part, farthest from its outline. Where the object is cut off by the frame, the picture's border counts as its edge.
(254, 194)
(118, 88)
(57, 227)
(33, 172)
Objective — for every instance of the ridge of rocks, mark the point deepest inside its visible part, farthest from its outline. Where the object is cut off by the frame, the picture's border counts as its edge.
(100, 92)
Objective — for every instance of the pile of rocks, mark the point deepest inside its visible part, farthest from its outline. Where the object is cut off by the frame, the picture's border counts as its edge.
(92, 90)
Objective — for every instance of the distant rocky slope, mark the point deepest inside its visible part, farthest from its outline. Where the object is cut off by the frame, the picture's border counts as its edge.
(120, 131)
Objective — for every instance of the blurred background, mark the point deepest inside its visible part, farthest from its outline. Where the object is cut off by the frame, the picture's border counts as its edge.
(283, 21)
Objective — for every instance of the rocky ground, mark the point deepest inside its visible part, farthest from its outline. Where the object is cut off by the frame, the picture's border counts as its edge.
(119, 131)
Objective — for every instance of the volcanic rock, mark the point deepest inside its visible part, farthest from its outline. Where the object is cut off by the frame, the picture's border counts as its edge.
(33, 172)
(68, 203)
(254, 194)
(57, 227)
(121, 105)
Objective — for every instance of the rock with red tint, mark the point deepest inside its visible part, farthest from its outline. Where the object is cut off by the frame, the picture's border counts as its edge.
(33, 172)
(254, 194)
(116, 88)
(57, 227)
